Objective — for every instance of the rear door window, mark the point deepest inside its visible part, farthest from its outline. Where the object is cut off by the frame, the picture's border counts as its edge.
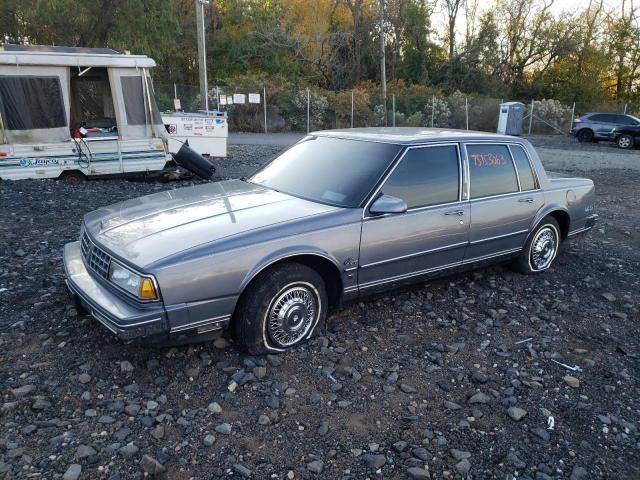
(426, 176)
(525, 172)
(624, 120)
(603, 118)
(491, 170)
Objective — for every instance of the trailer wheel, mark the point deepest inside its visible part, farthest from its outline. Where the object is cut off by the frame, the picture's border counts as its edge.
(72, 176)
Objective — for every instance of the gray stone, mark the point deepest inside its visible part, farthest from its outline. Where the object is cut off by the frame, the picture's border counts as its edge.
(260, 372)
(73, 472)
(374, 462)
(132, 409)
(214, 408)
(541, 433)
(516, 413)
(480, 398)
(126, 367)
(41, 404)
(315, 467)
(84, 451)
(578, 473)
(451, 405)
(23, 391)
(84, 378)
(129, 450)
(152, 405)
(264, 420)
(609, 296)
(151, 465)
(463, 467)
(241, 470)
(209, 440)
(573, 382)
(407, 388)
(224, 428)
(417, 473)
(459, 454)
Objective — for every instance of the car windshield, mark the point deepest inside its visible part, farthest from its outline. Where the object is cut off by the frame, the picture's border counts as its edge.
(333, 171)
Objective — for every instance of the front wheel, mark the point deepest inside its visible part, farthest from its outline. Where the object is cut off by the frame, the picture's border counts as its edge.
(280, 309)
(541, 249)
(625, 141)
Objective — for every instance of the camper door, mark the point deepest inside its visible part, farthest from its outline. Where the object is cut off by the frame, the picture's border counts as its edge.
(34, 104)
(136, 109)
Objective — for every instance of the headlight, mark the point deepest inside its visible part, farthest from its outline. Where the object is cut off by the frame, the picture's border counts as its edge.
(136, 285)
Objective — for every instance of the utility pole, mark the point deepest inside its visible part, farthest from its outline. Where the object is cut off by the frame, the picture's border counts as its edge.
(202, 53)
(383, 68)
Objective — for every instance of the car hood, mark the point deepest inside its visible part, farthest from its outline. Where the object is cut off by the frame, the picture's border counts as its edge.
(146, 229)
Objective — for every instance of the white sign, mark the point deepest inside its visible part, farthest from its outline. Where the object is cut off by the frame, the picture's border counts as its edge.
(223, 99)
(176, 104)
(239, 98)
(254, 98)
(229, 99)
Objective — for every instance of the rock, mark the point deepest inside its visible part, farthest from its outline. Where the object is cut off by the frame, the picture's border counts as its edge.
(480, 398)
(274, 360)
(129, 450)
(417, 473)
(220, 342)
(106, 419)
(241, 470)
(158, 432)
(573, 382)
(609, 296)
(23, 391)
(260, 372)
(132, 409)
(84, 451)
(479, 377)
(451, 405)
(40, 404)
(541, 433)
(374, 462)
(209, 440)
(344, 403)
(400, 446)
(214, 408)
(578, 473)
(407, 388)
(73, 472)
(315, 467)
(126, 367)
(463, 467)
(151, 465)
(224, 428)
(459, 454)
(393, 377)
(264, 420)
(323, 429)
(84, 378)
(516, 413)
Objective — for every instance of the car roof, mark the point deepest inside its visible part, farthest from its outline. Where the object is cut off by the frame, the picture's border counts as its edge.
(412, 135)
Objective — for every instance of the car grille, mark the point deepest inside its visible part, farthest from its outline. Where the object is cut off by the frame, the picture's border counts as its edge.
(96, 259)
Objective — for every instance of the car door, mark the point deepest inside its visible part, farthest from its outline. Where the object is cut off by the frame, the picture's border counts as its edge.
(432, 234)
(505, 196)
(603, 124)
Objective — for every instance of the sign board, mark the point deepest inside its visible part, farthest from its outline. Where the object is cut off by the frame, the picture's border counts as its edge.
(229, 99)
(239, 98)
(176, 104)
(254, 98)
(223, 99)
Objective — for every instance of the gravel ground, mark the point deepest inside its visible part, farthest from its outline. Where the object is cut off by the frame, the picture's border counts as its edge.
(452, 379)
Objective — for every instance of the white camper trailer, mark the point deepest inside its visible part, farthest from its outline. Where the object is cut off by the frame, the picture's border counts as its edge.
(68, 112)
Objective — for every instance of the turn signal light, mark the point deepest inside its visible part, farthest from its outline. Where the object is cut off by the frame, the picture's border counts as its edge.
(147, 290)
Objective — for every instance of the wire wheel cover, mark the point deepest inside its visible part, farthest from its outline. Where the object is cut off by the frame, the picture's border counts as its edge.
(543, 248)
(292, 314)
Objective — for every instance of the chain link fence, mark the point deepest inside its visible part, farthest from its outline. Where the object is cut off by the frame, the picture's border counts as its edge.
(261, 109)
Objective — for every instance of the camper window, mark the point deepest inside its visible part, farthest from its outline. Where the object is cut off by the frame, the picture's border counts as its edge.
(91, 101)
(30, 102)
(135, 104)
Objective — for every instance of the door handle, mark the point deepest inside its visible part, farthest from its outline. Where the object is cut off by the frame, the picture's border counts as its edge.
(526, 200)
(455, 212)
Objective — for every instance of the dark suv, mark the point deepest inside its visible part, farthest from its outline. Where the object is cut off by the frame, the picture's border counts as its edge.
(598, 126)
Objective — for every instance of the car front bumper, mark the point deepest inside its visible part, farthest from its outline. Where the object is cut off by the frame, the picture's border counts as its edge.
(120, 317)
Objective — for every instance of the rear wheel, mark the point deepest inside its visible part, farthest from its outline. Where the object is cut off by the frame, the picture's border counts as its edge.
(625, 141)
(585, 136)
(280, 309)
(72, 176)
(541, 249)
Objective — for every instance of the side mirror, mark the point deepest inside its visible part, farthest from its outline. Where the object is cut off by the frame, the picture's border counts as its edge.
(388, 204)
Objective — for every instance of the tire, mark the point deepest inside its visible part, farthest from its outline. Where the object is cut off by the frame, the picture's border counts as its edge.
(541, 249)
(293, 297)
(72, 176)
(625, 141)
(585, 135)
